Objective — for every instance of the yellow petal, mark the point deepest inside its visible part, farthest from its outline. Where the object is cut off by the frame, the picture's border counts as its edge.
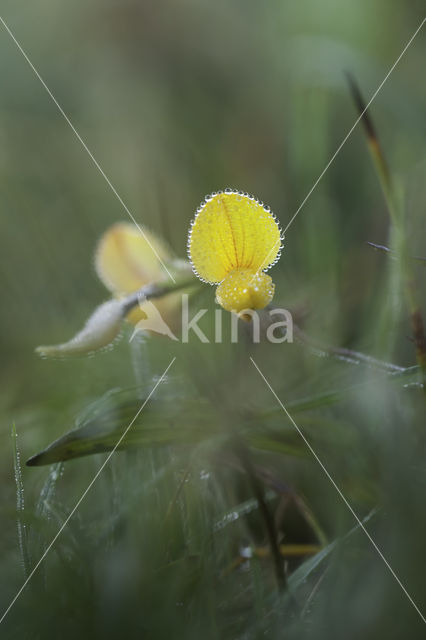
(232, 231)
(245, 289)
(126, 259)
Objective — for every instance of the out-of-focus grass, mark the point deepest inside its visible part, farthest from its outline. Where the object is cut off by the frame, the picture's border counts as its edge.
(177, 99)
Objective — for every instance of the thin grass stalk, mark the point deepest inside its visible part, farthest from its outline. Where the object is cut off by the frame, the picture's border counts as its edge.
(393, 201)
(20, 506)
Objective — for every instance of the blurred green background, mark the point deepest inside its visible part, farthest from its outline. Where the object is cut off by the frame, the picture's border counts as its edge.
(177, 99)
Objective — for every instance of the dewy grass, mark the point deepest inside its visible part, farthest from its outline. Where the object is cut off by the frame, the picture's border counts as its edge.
(172, 540)
(181, 422)
(20, 506)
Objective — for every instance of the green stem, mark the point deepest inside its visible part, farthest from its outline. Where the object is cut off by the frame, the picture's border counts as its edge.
(151, 291)
(393, 201)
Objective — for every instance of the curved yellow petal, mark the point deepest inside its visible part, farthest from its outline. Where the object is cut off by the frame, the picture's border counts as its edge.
(231, 231)
(244, 289)
(126, 259)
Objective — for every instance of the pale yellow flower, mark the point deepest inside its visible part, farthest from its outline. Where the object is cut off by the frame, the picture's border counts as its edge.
(126, 260)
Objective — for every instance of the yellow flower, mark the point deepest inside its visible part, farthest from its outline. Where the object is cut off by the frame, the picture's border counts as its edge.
(126, 260)
(233, 240)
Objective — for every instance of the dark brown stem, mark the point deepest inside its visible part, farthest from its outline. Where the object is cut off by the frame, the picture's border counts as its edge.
(244, 456)
(392, 253)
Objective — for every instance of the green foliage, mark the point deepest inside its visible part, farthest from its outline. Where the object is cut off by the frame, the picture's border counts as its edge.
(176, 100)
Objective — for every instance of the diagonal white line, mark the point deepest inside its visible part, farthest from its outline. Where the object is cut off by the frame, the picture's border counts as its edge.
(345, 139)
(347, 136)
(50, 545)
(360, 523)
(85, 147)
